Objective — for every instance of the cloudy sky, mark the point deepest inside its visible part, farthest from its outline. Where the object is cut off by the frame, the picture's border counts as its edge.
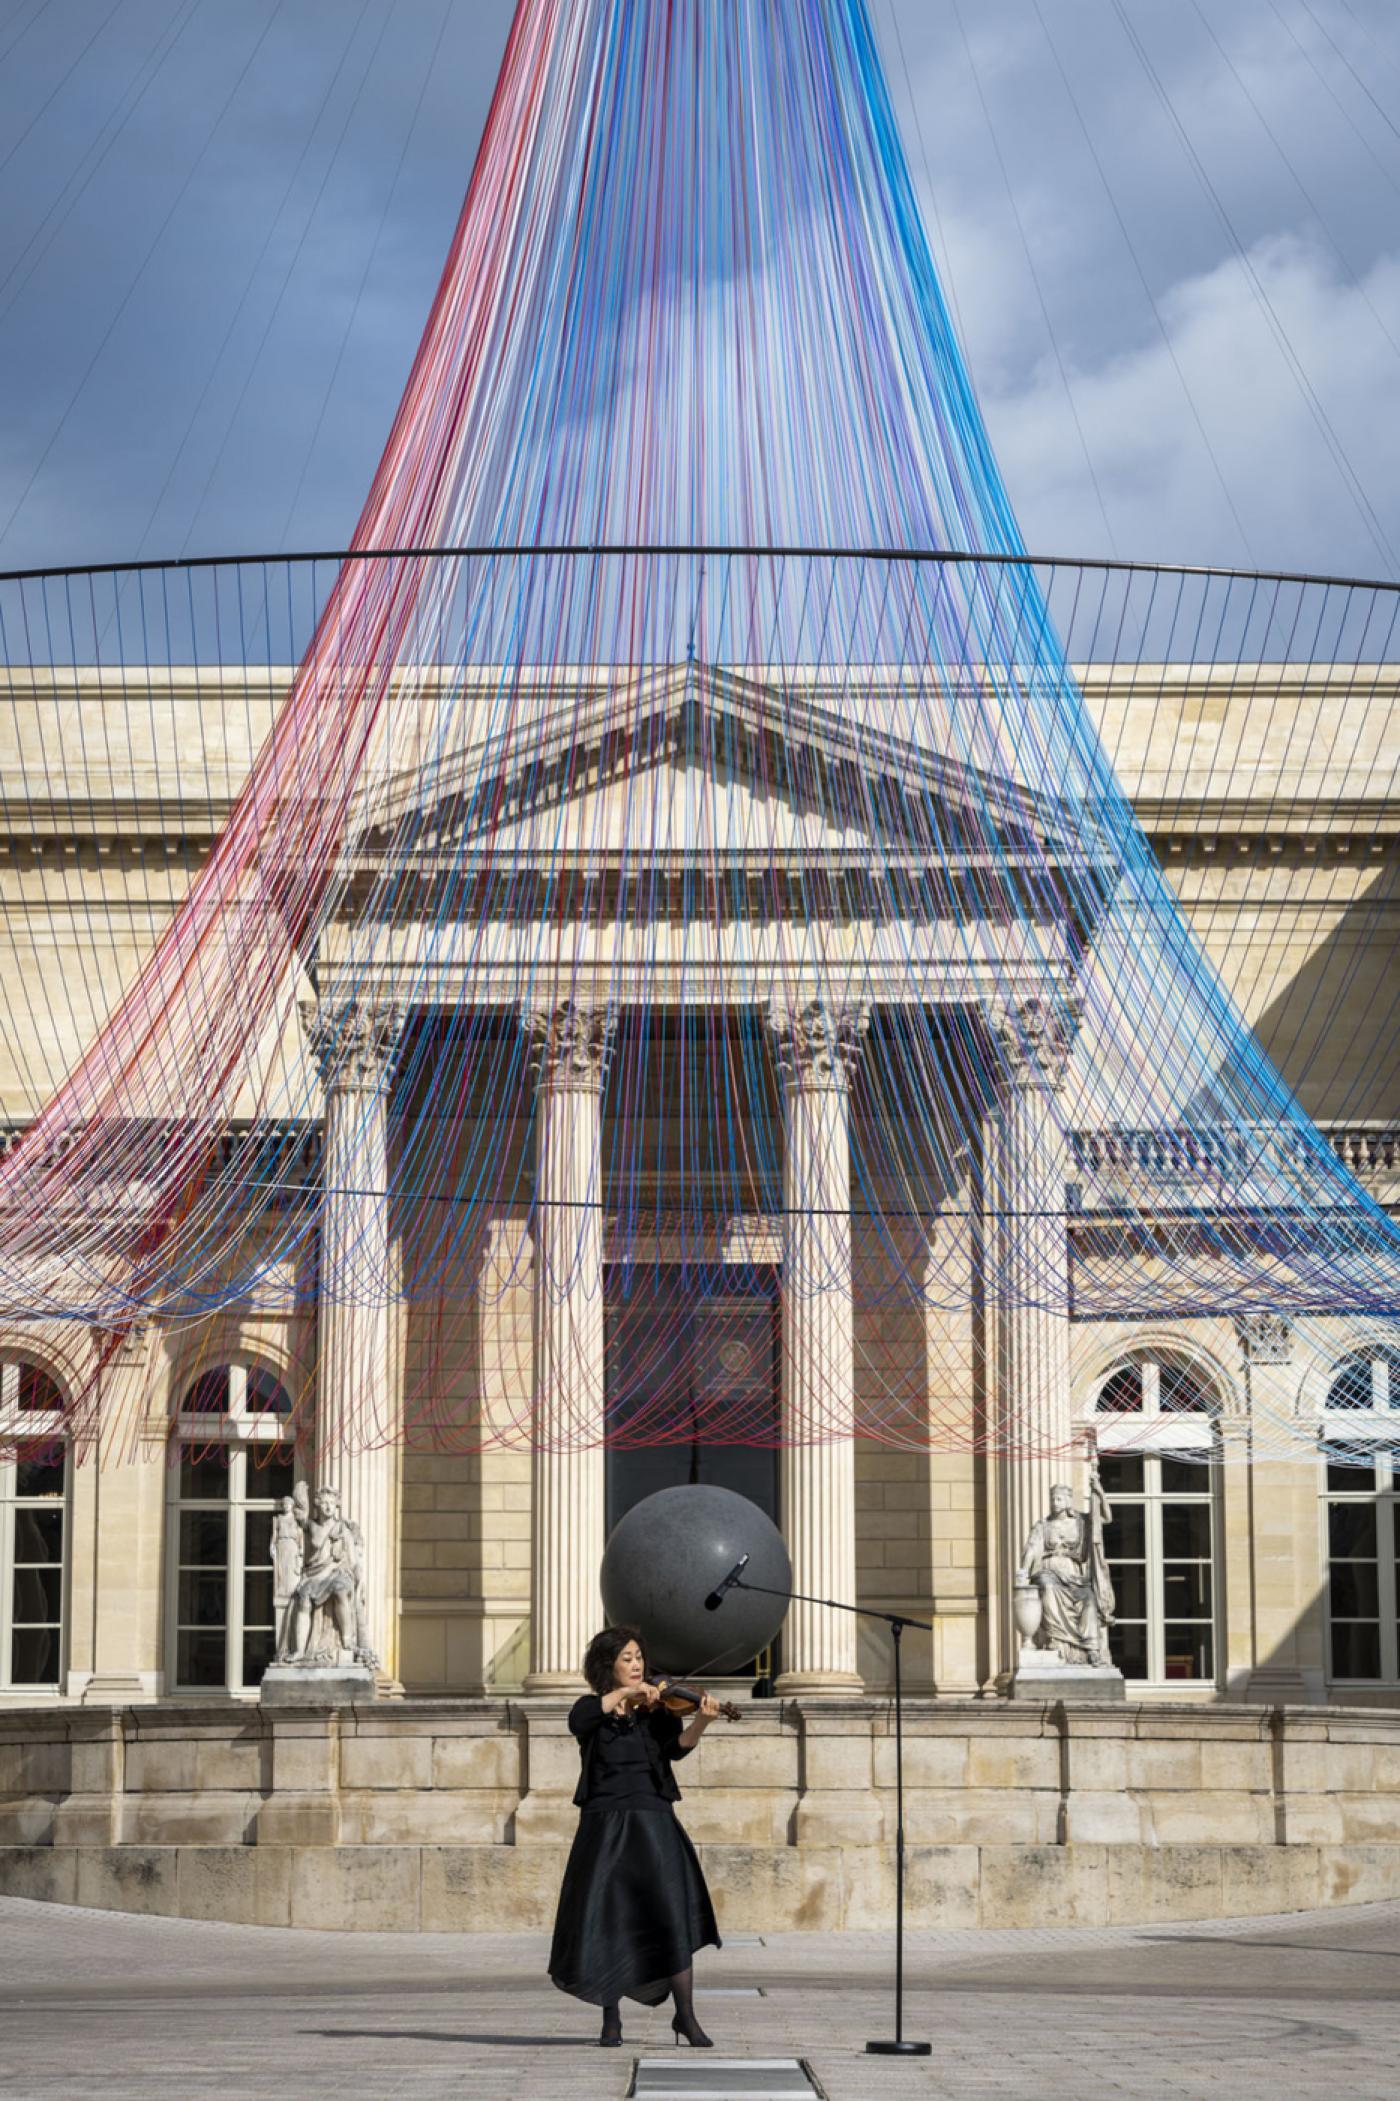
(1170, 230)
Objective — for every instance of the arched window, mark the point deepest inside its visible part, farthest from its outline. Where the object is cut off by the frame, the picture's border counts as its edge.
(234, 1458)
(1154, 1432)
(1361, 1488)
(33, 1529)
(1369, 1380)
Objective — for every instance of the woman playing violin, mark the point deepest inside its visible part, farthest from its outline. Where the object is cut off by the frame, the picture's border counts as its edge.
(633, 1907)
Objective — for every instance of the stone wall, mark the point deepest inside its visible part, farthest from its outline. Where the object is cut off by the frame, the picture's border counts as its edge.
(457, 1815)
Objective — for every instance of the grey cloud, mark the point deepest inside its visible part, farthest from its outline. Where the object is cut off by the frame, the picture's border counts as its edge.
(1155, 474)
(1130, 345)
(253, 373)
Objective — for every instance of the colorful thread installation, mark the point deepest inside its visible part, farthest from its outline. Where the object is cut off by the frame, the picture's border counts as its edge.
(687, 672)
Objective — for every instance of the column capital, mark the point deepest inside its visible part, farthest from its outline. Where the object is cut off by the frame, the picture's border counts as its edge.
(1035, 1037)
(571, 1043)
(819, 1042)
(1264, 1338)
(355, 1042)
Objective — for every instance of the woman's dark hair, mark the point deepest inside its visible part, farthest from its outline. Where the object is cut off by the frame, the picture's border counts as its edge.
(603, 1652)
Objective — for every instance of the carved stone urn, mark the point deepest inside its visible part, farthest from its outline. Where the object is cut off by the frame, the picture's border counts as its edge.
(1026, 1610)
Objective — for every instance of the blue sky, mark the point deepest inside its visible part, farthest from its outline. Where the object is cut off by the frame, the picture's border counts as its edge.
(1169, 232)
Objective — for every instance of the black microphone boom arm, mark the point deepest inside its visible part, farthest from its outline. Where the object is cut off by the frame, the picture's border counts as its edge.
(734, 1581)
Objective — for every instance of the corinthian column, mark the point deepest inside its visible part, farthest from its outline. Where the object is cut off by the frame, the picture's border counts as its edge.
(571, 1044)
(1029, 1288)
(817, 1047)
(358, 1413)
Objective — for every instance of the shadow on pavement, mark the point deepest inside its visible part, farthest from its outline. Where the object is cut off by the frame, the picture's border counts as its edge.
(1279, 1947)
(438, 2035)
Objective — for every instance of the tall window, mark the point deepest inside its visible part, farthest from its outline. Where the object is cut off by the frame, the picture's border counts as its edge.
(235, 1458)
(1156, 1447)
(1361, 1476)
(33, 1529)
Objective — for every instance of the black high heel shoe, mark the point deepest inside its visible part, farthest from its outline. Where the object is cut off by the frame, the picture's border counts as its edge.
(694, 2035)
(611, 2037)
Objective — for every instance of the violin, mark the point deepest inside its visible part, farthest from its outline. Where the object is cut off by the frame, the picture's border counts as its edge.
(680, 1698)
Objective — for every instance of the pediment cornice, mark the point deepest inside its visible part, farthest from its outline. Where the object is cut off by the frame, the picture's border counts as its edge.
(820, 746)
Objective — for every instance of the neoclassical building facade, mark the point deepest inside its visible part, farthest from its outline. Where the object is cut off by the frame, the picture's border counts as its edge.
(148, 1576)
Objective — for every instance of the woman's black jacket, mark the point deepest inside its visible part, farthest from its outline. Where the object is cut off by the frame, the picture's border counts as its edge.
(661, 1735)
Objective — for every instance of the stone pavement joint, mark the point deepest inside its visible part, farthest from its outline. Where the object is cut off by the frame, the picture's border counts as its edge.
(112, 2005)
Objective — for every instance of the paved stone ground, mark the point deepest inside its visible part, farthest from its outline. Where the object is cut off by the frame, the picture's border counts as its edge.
(108, 2004)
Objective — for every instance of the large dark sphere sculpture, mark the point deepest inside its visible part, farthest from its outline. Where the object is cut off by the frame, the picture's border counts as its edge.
(666, 1556)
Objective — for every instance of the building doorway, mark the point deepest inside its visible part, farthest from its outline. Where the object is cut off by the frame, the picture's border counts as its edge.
(699, 1354)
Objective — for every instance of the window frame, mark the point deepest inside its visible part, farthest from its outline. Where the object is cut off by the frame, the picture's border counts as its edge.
(1152, 1433)
(1376, 1426)
(47, 1426)
(241, 1428)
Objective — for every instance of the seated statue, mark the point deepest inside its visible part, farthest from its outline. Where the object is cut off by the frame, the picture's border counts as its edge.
(1064, 1559)
(325, 1614)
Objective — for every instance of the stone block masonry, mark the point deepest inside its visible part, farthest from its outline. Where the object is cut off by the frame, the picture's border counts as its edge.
(456, 1815)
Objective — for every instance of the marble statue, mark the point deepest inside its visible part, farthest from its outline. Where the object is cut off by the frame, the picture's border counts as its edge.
(286, 1551)
(1064, 1561)
(324, 1619)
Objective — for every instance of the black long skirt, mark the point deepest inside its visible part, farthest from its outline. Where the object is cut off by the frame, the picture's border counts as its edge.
(633, 1907)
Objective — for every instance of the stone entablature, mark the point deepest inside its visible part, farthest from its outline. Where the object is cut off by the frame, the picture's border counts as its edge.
(1151, 1154)
(457, 1815)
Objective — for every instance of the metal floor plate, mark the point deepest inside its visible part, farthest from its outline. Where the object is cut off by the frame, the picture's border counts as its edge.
(721, 2079)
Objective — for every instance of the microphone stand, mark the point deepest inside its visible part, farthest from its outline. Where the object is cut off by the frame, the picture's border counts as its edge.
(898, 2045)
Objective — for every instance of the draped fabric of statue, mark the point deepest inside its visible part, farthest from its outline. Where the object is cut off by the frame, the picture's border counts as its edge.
(1065, 1559)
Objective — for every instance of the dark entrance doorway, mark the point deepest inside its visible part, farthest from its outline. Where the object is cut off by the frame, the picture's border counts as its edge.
(698, 1356)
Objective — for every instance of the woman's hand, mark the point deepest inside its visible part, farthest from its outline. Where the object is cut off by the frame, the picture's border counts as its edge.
(624, 1696)
(705, 1713)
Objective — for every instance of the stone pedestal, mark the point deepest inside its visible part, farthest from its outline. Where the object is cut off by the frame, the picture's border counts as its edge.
(1045, 1678)
(358, 1409)
(817, 1048)
(317, 1685)
(571, 1042)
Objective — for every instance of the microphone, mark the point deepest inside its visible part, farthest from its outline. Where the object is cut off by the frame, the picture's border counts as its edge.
(717, 1597)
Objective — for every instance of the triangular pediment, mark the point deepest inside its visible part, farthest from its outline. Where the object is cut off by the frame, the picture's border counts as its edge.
(687, 761)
